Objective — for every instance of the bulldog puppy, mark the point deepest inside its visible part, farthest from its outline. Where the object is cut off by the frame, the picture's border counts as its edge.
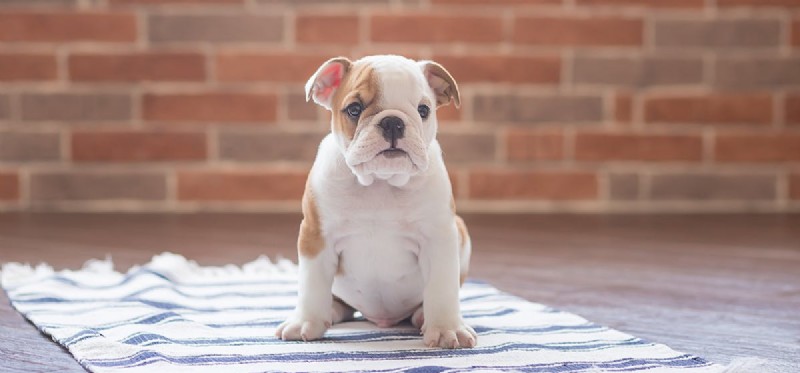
(380, 234)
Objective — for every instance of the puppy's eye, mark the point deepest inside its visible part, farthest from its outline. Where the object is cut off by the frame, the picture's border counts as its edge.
(354, 110)
(424, 111)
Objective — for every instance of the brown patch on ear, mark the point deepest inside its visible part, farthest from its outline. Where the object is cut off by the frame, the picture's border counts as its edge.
(310, 242)
(463, 236)
(442, 83)
(359, 80)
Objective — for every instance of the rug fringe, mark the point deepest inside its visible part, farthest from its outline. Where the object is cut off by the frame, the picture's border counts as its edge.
(178, 267)
(749, 365)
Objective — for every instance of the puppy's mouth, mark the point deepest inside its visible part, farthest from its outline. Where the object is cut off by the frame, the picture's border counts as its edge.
(393, 153)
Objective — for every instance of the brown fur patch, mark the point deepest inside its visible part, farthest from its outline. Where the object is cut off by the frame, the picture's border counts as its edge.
(310, 242)
(360, 82)
(463, 236)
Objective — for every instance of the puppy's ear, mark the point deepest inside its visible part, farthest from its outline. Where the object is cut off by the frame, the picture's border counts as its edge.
(443, 84)
(326, 80)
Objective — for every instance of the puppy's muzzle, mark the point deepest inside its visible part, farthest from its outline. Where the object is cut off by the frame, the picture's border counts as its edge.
(393, 129)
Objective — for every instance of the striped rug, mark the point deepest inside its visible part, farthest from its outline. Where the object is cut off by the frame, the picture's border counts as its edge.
(172, 315)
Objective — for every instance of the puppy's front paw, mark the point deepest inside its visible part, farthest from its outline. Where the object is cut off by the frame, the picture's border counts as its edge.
(449, 336)
(296, 329)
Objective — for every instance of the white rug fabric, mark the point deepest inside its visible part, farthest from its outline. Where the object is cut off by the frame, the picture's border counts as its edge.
(172, 315)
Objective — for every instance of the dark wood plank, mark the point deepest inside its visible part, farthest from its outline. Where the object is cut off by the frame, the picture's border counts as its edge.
(719, 286)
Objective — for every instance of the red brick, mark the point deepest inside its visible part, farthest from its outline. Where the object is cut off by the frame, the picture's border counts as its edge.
(448, 113)
(796, 32)
(174, 2)
(762, 148)
(525, 145)
(532, 185)
(210, 107)
(758, 3)
(27, 67)
(569, 31)
(433, 28)
(697, 4)
(637, 147)
(137, 146)
(623, 107)
(713, 109)
(137, 67)
(794, 186)
(236, 67)
(67, 27)
(502, 68)
(241, 186)
(326, 29)
(792, 105)
(9, 186)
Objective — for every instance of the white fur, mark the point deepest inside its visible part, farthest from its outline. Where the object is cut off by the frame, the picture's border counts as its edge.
(387, 223)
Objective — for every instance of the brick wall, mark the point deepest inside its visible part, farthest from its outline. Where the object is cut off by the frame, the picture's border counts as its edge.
(569, 105)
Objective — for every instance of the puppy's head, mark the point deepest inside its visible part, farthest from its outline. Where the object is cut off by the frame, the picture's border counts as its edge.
(383, 112)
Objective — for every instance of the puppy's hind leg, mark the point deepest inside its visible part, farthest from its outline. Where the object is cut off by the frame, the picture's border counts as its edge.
(341, 311)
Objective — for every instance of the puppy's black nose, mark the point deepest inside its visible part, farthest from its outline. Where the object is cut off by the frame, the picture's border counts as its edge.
(393, 129)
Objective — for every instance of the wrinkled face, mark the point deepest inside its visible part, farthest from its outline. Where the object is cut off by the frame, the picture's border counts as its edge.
(383, 114)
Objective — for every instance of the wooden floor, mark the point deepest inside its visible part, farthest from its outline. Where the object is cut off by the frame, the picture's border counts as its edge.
(718, 286)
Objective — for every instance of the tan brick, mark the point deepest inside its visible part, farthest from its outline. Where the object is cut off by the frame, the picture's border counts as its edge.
(137, 146)
(713, 187)
(241, 186)
(29, 146)
(694, 4)
(76, 107)
(757, 72)
(534, 145)
(537, 108)
(298, 108)
(435, 28)
(574, 31)
(347, 4)
(758, 3)
(9, 186)
(637, 71)
(763, 148)
(792, 107)
(710, 109)
(623, 187)
(246, 67)
(174, 2)
(18, 4)
(327, 29)
(598, 147)
(5, 107)
(260, 146)
(467, 147)
(532, 185)
(623, 107)
(106, 186)
(497, 2)
(17, 67)
(210, 107)
(727, 33)
(30, 26)
(502, 68)
(794, 186)
(215, 28)
(137, 67)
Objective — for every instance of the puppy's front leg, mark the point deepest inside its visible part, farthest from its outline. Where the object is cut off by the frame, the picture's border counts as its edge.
(312, 315)
(439, 261)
